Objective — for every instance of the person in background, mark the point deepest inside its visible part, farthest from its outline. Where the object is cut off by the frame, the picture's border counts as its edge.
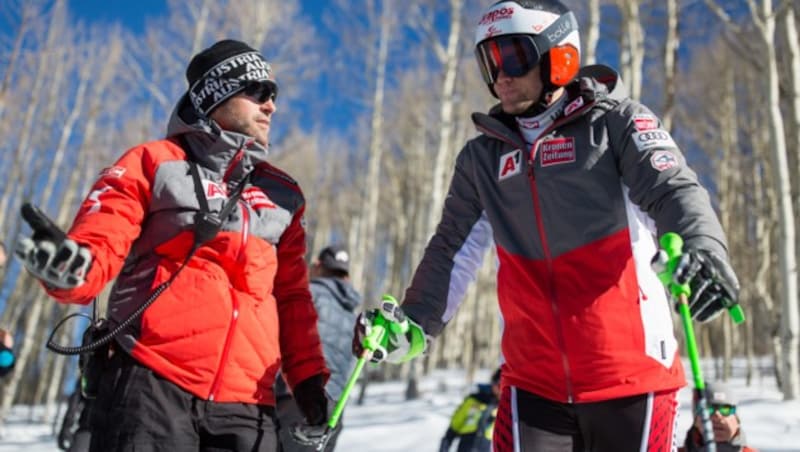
(206, 241)
(7, 357)
(336, 302)
(572, 183)
(728, 433)
(472, 423)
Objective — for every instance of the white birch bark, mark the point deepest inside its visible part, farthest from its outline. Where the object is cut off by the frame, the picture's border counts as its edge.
(792, 42)
(442, 165)
(592, 33)
(634, 48)
(671, 46)
(790, 320)
(365, 244)
(763, 16)
(22, 153)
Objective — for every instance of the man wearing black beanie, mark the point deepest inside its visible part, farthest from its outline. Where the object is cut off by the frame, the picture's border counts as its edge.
(205, 239)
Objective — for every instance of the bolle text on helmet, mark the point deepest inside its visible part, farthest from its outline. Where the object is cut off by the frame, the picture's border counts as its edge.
(497, 14)
(556, 35)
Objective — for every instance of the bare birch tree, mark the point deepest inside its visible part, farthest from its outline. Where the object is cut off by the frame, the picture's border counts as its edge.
(28, 12)
(28, 127)
(792, 42)
(671, 46)
(366, 243)
(632, 54)
(592, 33)
(448, 57)
(763, 17)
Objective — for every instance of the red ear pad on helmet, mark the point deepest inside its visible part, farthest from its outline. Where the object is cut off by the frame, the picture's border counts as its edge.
(564, 64)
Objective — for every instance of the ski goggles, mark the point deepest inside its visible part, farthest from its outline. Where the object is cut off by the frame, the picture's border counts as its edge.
(260, 90)
(514, 54)
(723, 409)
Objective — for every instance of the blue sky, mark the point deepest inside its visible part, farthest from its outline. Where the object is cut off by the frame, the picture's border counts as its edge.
(132, 14)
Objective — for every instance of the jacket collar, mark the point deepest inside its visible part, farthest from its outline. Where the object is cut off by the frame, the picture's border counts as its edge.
(229, 154)
(597, 84)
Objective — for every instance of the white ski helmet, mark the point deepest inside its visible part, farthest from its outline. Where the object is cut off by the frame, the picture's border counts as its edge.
(517, 35)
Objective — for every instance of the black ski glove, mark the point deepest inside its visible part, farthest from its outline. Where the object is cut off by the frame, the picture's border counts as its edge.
(312, 400)
(713, 283)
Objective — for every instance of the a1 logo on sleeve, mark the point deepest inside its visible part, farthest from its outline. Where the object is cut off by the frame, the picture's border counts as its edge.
(644, 122)
(510, 164)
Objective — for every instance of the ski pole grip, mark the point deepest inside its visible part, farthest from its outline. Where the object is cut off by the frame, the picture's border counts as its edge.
(672, 244)
(374, 339)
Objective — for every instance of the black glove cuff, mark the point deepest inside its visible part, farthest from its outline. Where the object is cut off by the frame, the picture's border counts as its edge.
(310, 397)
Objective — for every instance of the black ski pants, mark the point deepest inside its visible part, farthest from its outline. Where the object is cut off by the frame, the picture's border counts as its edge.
(644, 423)
(137, 410)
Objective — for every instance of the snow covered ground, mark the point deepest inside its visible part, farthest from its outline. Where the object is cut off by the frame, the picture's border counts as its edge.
(388, 423)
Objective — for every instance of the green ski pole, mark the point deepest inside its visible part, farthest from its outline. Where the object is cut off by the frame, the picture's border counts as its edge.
(376, 340)
(672, 246)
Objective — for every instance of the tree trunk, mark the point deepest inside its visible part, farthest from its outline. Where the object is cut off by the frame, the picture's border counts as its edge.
(442, 165)
(23, 153)
(27, 13)
(633, 53)
(592, 33)
(790, 320)
(366, 244)
(792, 42)
(671, 46)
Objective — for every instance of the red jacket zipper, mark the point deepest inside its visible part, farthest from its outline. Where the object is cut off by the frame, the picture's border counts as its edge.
(234, 302)
(543, 237)
(550, 274)
(546, 249)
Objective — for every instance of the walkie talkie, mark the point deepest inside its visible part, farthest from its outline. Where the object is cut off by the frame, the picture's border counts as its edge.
(43, 227)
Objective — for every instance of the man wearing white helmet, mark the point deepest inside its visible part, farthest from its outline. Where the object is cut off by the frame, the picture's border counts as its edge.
(571, 181)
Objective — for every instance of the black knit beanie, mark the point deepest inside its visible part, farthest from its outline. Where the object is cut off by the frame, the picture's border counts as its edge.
(221, 71)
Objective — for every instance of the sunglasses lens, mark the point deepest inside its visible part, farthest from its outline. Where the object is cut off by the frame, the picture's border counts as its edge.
(260, 91)
(724, 410)
(514, 54)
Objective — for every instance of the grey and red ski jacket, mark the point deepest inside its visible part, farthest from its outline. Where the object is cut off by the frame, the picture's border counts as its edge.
(241, 308)
(573, 219)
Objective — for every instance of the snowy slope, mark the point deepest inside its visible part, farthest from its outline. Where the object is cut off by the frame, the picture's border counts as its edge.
(387, 423)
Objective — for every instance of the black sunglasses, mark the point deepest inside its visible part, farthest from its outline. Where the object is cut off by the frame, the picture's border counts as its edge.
(261, 91)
